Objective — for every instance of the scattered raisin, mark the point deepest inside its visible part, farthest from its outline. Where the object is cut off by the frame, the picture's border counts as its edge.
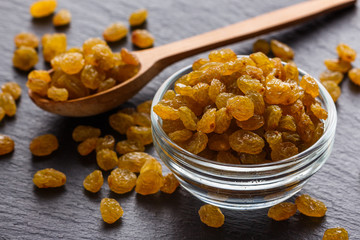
(310, 206)
(211, 216)
(49, 178)
(282, 211)
(170, 184)
(44, 145)
(61, 18)
(7, 145)
(94, 181)
(121, 180)
(110, 210)
(81, 133)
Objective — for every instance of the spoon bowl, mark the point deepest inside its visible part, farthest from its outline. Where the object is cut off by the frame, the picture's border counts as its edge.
(155, 59)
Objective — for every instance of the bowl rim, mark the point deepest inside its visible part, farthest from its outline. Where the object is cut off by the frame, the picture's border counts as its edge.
(329, 127)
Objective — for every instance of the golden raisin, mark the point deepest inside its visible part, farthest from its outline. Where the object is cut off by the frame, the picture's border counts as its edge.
(222, 55)
(142, 119)
(333, 89)
(246, 84)
(44, 145)
(87, 146)
(199, 63)
(133, 161)
(337, 65)
(309, 85)
(150, 179)
(240, 107)
(107, 84)
(121, 180)
(142, 38)
(141, 134)
(42, 8)
(26, 39)
(12, 88)
(127, 146)
(227, 157)
(94, 181)
(222, 120)
(219, 142)
(207, 122)
(281, 50)
(81, 133)
(328, 75)
(25, 58)
(188, 118)
(279, 92)
(49, 178)
(246, 142)
(114, 32)
(253, 123)
(106, 159)
(128, 57)
(283, 150)
(138, 17)
(72, 63)
(53, 45)
(90, 43)
(101, 57)
(211, 216)
(261, 45)
(92, 77)
(61, 18)
(144, 107)
(7, 145)
(336, 234)
(57, 94)
(310, 206)
(7, 103)
(110, 210)
(282, 211)
(272, 116)
(121, 122)
(345, 52)
(197, 143)
(106, 142)
(180, 135)
(170, 184)
(354, 75)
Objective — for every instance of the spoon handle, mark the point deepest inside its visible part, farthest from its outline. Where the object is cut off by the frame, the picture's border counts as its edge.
(278, 19)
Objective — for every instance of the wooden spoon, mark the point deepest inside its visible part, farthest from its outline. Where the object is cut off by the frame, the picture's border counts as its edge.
(155, 59)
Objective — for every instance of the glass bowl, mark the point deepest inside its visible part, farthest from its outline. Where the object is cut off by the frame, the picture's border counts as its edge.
(243, 187)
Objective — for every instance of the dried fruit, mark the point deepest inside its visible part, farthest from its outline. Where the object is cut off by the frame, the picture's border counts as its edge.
(72, 63)
(227, 157)
(87, 146)
(328, 75)
(199, 63)
(346, 53)
(127, 146)
(197, 143)
(354, 75)
(318, 111)
(282, 211)
(333, 89)
(26, 39)
(309, 85)
(53, 45)
(94, 181)
(207, 123)
(222, 55)
(129, 57)
(12, 88)
(261, 45)
(281, 50)
(219, 142)
(90, 43)
(310, 206)
(211, 216)
(107, 84)
(57, 94)
(133, 161)
(246, 84)
(144, 107)
(166, 112)
(337, 65)
(142, 119)
(240, 107)
(253, 123)
(121, 122)
(279, 92)
(106, 159)
(25, 58)
(44, 145)
(138, 17)
(336, 234)
(142, 38)
(121, 180)
(92, 77)
(246, 142)
(110, 210)
(106, 142)
(49, 178)
(180, 135)
(101, 57)
(283, 150)
(170, 184)
(81, 133)
(7, 145)
(140, 134)
(7, 103)
(272, 116)
(42, 8)
(115, 31)
(150, 179)
(61, 18)
(287, 123)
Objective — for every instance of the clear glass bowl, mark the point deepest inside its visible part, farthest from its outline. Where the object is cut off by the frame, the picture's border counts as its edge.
(243, 187)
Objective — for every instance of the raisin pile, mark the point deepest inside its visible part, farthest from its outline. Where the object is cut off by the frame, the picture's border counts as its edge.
(78, 72)
(247, 110)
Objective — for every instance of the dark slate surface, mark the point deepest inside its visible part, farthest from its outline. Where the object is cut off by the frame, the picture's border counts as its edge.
(72, 213)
